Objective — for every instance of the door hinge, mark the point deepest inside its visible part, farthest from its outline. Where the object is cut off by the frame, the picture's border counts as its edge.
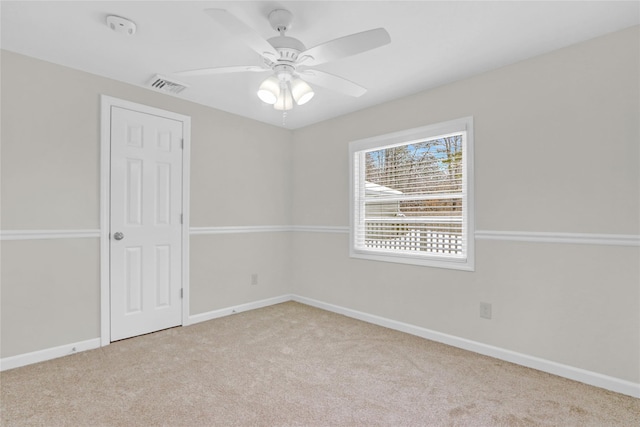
(181, 218)
(181, 292)
(182, 143)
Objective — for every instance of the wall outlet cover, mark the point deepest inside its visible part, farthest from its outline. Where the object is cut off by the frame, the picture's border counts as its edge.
(485, 310)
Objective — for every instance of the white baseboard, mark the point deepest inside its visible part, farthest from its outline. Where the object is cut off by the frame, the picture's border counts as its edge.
(48, 354)
(592, 378)
(588, 377)
(68, 349)
(210, 315)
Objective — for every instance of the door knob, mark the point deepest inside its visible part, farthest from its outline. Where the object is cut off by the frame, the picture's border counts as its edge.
(118, 236)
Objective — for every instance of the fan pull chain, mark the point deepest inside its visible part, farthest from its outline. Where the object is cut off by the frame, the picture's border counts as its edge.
(284, 117)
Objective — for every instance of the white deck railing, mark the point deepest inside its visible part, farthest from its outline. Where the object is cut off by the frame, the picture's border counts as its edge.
(402, 237)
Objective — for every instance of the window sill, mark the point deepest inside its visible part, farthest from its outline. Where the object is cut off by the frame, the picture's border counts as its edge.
(436, 262)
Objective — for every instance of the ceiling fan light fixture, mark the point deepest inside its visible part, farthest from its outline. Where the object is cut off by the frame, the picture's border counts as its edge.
(284, 54)
(285, 100)
(301, 91)
(269, 90)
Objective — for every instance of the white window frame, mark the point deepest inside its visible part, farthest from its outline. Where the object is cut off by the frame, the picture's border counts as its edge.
(433, 131)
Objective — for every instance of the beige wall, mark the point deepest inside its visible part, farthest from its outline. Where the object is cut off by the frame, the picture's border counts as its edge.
(556, 150)
(240, 175)
(50, 293)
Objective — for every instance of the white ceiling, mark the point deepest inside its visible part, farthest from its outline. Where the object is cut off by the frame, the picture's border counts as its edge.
(432, 43)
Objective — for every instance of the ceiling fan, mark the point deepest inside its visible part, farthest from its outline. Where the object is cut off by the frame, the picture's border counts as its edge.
(289, 60)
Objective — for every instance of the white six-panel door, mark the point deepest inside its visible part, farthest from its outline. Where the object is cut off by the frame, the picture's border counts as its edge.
(145, 223)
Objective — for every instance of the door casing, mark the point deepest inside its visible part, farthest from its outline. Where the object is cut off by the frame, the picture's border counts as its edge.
(107, 103)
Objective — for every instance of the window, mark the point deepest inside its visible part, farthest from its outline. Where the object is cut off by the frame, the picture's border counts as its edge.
(412, 196)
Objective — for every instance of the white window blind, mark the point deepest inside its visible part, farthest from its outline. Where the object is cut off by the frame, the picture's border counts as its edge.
(410, 196)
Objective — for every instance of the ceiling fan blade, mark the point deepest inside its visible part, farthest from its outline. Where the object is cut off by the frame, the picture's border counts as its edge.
(222, 70)
(345, 46)
(332, 82)
(242, 31)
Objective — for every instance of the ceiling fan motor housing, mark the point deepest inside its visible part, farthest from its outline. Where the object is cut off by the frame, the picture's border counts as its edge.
(288, 47)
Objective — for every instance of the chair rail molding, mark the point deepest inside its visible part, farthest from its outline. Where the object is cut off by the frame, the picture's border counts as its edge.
(516, 236)
(559, 237)
(48, 234)
(237, 229)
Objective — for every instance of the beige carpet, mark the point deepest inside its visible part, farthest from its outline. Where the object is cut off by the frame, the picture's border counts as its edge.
(294, 365)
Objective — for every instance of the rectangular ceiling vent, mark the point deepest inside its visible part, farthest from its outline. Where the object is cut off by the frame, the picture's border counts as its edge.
(166, 85)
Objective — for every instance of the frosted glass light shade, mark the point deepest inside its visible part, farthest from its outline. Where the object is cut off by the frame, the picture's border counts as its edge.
(285, 101)
(301, 91)
(269, 90)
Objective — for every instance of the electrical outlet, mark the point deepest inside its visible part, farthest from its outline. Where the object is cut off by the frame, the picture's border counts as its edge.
(254, 279)
(485, 310)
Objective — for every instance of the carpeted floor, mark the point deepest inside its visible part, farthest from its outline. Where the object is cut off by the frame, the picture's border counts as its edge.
(294, 365)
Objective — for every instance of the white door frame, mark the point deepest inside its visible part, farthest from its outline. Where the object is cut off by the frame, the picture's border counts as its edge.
(105, 205)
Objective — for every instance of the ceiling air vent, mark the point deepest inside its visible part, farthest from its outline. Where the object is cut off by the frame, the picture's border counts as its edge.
(165, 85)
